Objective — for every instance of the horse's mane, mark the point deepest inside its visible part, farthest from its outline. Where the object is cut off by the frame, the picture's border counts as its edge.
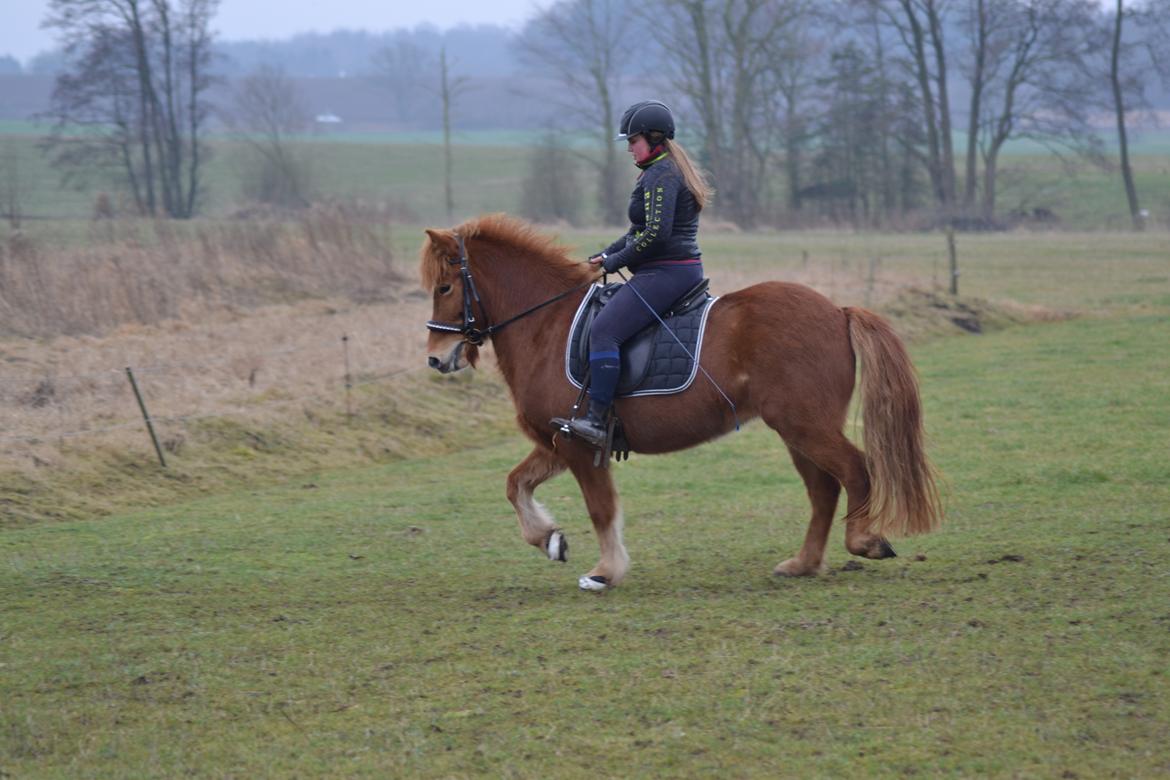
(514, 236)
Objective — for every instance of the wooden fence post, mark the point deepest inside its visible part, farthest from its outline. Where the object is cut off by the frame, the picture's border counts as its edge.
(954, 259)
(348, 380)
(146, 417)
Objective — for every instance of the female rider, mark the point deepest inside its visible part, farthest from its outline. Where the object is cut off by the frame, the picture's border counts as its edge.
(660, 248)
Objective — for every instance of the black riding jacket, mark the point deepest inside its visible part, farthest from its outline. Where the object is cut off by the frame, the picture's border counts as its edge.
(664, 220)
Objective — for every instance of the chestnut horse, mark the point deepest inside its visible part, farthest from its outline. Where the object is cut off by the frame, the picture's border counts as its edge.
(782, 352)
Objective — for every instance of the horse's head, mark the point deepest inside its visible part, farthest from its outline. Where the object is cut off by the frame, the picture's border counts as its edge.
(516, 267)
(447, 351)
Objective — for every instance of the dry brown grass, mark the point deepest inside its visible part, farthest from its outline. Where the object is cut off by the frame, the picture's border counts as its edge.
(266, 363)
(147, 272)
(239, 317)
(263, 365)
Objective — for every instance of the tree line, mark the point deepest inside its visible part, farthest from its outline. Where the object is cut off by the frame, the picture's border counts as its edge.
(861, 111)
(848, 108)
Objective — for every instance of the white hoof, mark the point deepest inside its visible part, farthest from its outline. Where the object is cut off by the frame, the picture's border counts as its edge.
(594, 584)
(558, 547)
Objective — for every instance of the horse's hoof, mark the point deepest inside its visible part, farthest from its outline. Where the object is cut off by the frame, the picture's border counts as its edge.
(558, 547)
(794, 567)
(594, 583)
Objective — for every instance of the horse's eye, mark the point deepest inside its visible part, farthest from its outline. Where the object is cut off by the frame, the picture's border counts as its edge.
(444, 289)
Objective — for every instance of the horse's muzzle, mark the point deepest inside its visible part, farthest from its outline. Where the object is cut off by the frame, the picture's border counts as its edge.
(453, 361)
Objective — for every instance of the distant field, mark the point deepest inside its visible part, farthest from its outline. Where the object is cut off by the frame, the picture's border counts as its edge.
(409, 176)
(490, 168)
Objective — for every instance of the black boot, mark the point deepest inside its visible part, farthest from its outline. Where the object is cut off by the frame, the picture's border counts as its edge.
(591, 428)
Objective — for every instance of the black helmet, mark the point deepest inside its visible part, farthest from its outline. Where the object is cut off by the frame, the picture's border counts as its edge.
(646, 116)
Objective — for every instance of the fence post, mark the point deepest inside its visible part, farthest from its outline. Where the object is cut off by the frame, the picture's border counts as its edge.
(348, 380)
(953, 255)
(146, 417)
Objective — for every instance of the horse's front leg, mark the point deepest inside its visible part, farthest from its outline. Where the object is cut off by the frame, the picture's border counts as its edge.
(536, 525)
(601, 499)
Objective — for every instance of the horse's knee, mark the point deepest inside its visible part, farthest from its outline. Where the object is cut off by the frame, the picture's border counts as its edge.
(513, 488)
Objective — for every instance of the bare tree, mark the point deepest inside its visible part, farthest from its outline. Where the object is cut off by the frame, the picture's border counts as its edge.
(449, 90)
(919, 27)
(894, 134)
(795, 55)
(869, 144)
(138, 74)
(1033, 51)
(727, 79)
(978, 22)
(408, 71)
(584, 44)
(402, 68)
(266, 112)
(1138, 54)
(869, 114)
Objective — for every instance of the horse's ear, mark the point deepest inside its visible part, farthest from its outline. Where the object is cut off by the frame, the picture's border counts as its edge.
(444, 241)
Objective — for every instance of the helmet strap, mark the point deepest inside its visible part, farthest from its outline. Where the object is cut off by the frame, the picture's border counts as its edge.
(656, 152)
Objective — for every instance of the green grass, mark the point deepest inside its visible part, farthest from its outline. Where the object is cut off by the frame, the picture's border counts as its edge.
(388, 620)
(407, 170)
(488, 178)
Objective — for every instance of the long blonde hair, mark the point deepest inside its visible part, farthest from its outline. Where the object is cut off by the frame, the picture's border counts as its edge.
(693, 175)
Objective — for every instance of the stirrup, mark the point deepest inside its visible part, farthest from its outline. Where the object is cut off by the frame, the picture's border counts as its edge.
(613, 444)
(594, 432)
(564, 425)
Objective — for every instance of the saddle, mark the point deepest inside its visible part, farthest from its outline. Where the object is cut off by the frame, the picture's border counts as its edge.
(656, 360)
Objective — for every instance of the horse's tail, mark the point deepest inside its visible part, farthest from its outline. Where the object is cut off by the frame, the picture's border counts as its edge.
(903, 497)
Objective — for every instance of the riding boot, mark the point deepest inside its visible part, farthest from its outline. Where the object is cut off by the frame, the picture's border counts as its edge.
(593, 427)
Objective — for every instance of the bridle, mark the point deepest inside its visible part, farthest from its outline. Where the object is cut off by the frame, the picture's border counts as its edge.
(472, 334)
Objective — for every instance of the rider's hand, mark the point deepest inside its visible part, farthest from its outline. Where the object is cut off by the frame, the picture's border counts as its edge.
(597, 259)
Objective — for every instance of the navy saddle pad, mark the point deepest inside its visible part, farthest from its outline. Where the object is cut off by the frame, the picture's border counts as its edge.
(653, 360)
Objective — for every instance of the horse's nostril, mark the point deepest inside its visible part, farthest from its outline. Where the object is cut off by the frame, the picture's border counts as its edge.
(433, 362)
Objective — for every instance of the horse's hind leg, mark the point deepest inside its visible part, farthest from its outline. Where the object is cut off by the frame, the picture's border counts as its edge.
(536, 525)
(826, 446)
(837, 455)
(823, 492)
(601, 499)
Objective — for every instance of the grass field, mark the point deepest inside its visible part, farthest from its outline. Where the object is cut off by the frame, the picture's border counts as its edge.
(387, 620)
(406, 172)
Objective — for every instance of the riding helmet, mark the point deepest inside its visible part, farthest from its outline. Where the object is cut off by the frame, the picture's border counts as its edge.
(645, 116)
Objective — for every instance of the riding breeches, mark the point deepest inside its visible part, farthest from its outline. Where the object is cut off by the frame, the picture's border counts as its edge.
(648, 294)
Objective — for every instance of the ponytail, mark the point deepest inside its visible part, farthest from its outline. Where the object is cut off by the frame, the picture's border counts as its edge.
(693, 176)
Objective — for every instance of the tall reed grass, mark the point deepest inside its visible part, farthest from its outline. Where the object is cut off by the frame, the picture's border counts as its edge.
(144, 272)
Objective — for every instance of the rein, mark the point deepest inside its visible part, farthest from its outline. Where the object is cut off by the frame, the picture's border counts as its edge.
(472, 334)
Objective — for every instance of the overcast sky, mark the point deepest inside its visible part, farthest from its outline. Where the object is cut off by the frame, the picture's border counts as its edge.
(22, 37)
